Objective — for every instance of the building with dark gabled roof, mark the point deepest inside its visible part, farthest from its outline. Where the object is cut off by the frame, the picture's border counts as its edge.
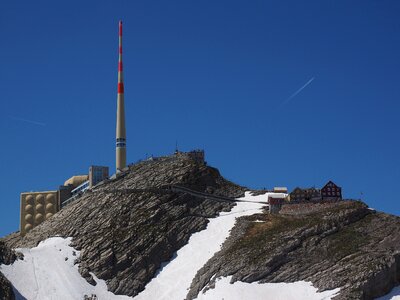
(331, 191)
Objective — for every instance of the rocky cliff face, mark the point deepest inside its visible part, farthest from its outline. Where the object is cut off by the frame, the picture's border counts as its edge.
(341, 244)
(127, 227)
(6, 257)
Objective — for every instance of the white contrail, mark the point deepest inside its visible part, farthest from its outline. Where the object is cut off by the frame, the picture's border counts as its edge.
(28, 121)
(298, 91)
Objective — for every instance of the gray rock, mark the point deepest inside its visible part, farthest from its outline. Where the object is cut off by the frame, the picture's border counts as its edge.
(342, 244)
(127, 227)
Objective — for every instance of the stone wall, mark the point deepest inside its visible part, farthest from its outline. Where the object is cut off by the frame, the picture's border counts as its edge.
(307, 207)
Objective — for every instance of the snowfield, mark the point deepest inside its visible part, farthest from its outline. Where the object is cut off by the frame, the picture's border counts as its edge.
(261, 291)
(48, 270)
(174, 279)
(48, 273)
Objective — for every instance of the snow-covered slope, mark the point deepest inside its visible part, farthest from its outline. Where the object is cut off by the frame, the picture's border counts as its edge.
(173, 281)
(48, 270)
(255, 291)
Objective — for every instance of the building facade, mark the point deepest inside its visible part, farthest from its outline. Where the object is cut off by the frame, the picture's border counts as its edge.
(302, 195)
(37, 207)
(97, 174)
(331, 191)
(275, 204)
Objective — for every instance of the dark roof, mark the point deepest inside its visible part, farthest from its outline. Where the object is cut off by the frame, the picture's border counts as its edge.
(330, 182)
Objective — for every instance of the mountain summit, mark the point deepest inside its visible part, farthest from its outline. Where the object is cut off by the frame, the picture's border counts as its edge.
(169, 213)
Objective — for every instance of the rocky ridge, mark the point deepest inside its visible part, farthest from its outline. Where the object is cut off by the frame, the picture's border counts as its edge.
(342, 244)
(125, 228)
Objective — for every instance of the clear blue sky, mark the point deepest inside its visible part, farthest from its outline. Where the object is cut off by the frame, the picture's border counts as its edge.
(217, 75)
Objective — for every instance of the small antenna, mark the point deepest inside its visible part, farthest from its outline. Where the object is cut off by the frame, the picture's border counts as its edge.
(176, 147)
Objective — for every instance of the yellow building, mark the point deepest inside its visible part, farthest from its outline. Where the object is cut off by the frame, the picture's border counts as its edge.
(37, 207)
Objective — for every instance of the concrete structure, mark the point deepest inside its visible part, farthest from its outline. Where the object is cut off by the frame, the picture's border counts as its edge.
(120, 131)
(37, 207)
(76, 180)
(65, 193)
(97, 174)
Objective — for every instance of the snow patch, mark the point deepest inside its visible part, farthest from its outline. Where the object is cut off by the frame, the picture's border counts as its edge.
(174, 279)
(48, 272)
(265, 291)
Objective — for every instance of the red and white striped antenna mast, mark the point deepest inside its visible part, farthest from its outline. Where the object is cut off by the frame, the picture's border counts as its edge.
(120, 131)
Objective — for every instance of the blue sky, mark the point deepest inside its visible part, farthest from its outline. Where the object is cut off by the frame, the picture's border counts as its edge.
(218, 75)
